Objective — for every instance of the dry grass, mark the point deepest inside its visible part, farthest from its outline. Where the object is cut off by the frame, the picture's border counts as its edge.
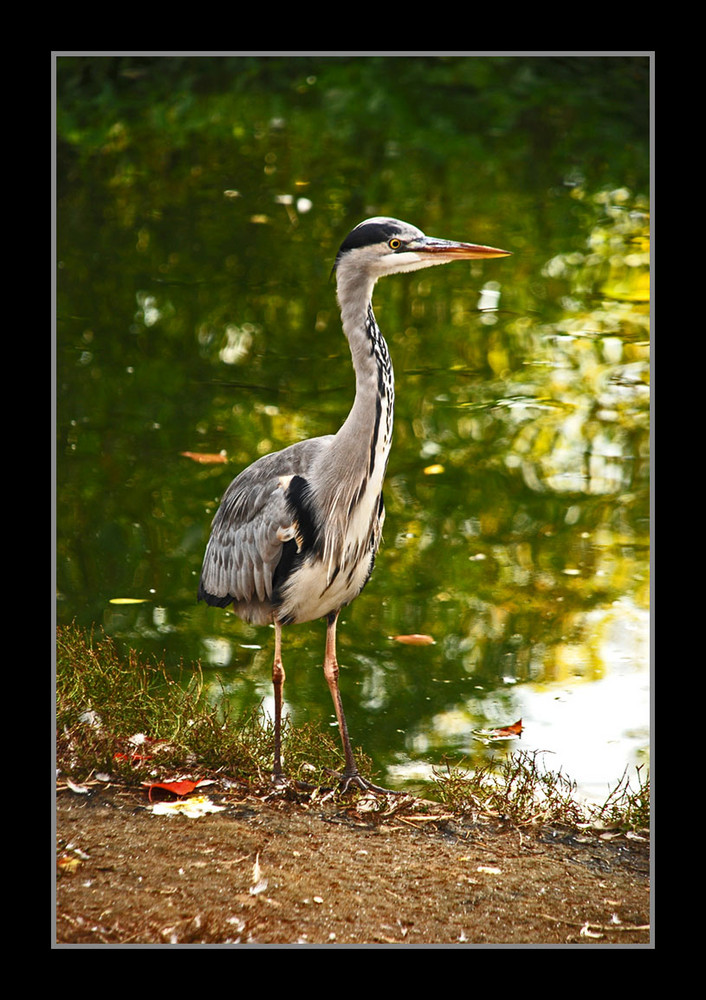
(521, 789)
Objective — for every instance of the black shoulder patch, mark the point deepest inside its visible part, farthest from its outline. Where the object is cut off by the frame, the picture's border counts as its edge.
(299, 501)
(298, 497)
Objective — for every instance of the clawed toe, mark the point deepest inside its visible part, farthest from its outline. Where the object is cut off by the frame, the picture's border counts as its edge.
(356, 780)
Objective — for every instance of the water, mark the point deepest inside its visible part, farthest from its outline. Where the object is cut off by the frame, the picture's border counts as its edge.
(199, 207)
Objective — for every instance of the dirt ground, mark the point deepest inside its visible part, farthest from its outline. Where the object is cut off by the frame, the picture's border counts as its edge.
(302, 869)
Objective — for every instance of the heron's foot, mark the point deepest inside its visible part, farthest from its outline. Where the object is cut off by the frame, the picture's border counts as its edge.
(281, 786)
(279, 780)
(356, 780)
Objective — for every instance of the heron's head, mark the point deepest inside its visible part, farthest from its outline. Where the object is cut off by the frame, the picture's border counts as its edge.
(381, 246)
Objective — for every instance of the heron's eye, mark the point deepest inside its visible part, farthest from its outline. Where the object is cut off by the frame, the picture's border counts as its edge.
(394, 244)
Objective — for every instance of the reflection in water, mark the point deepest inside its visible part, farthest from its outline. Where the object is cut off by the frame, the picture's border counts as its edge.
(587, 711)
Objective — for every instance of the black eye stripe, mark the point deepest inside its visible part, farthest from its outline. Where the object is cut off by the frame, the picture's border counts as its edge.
(369, 234)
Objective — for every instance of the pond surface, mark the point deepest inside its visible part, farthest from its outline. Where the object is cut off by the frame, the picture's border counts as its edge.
(200, 204)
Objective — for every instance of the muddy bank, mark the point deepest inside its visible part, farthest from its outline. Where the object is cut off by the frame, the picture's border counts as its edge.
(322, 872)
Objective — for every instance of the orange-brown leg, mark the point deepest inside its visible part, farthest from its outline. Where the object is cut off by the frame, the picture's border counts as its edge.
(278, 676)
(350, 776)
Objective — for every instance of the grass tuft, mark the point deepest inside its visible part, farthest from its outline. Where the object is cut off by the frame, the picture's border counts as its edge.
(131, 719)
(521, 789)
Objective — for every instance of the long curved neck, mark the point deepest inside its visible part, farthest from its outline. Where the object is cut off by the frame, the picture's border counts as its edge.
(366, 435)
(357, 458)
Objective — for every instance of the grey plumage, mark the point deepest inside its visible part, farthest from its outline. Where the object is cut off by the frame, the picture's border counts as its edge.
(296, 534)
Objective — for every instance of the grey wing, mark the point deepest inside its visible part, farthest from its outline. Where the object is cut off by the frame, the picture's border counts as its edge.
(251, 525)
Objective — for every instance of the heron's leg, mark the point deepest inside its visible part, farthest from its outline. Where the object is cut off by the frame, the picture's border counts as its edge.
(331, 674)
(278, 676)
(350, 775)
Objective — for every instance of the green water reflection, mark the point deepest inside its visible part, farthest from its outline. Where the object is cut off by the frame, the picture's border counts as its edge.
(200, 203)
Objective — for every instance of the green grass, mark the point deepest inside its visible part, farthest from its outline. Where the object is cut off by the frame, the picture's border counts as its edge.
(107, 704)
(130, 719)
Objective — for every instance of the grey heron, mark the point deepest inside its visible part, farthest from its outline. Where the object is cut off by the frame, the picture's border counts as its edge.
(296, 533)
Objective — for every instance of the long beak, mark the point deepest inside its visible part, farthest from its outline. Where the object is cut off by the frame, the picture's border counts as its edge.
(449, 250)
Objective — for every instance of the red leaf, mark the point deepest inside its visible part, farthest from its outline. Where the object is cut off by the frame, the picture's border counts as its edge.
(416, 639)
(501, 733)
(174, 787)
(514, 730)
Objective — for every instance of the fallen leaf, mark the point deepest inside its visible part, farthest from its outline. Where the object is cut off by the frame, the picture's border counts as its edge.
(416, 639)
(259, 883)
(434, 470)
(179, 788)
(69, 864)
(78, 789)
(128, 600)
(204, 458)
(192, 808)
(511, 732)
